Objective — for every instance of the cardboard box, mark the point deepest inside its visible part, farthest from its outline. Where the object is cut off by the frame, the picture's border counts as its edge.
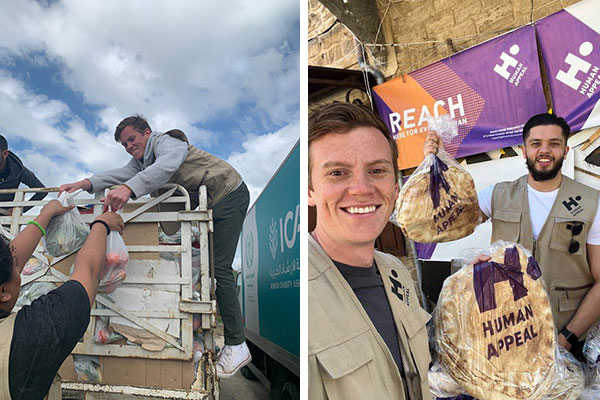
(167, 374)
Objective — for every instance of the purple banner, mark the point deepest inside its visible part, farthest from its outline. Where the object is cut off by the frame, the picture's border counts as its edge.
(491, 90)
(570, 43)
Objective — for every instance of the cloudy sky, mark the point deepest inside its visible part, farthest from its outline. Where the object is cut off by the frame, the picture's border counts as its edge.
(225, 72)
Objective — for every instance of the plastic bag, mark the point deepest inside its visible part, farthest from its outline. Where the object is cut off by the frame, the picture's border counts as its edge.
(103, 334)
(591, 352)
(569, 380)
(114, 270)
(591, 348)
(65, 233)
(438, 202)
(87, 368)
(32, 291)
(444, 126)
(441, 384)
(591, 392)
(33, 265)
(494, 330)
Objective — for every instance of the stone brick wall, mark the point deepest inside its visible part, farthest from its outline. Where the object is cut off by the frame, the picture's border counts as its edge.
(330, 43)
(423, 31)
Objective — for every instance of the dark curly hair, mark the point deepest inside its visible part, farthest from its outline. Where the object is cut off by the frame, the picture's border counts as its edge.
(7, 260)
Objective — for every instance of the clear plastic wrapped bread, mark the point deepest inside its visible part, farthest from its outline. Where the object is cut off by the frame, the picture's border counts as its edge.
(591, 353)
(494, 331)
(569, 379)
(441, 383)
(438, 202)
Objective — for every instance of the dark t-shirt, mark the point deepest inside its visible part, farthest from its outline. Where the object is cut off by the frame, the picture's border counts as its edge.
(45, 334)
(368, 287)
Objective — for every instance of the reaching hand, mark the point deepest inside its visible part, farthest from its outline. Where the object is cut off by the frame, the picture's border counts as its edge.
(433, 143)
(116, 198)
(114, 221)
(54, 208)
(71, 187)
(481, 258)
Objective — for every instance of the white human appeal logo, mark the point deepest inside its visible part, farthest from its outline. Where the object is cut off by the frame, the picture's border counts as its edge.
(507, 61)
(576, 65)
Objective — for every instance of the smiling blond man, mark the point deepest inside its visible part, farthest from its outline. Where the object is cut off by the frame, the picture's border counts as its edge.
(367, 331)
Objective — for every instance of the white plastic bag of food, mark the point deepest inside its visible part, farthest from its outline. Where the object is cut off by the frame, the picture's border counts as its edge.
(65, 233)
(114, 270)
(87, 368)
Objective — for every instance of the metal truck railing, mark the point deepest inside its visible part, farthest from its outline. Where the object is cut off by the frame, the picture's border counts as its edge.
(177, 317)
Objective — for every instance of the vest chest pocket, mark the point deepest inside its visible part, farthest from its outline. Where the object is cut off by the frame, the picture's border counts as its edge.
(568, 236)
(415, 325)
(348, 370)
(506, 225)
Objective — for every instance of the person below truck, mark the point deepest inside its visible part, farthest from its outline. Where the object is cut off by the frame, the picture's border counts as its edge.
(367, 335)
(557, 219)
(13, 173)
(159, 158)
(35, 341)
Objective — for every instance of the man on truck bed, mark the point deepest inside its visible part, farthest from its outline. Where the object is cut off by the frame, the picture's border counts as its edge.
(35, 341)
(554, 217)
(159, 158)
(367, 336)
(13, 173)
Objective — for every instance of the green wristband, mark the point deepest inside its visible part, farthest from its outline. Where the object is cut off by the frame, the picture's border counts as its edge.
(39, 226)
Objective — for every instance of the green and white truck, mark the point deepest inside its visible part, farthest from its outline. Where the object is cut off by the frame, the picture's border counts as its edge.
(270, 284)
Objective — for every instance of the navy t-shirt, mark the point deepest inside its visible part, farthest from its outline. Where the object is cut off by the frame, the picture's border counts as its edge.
(368, 287)
(45, 333)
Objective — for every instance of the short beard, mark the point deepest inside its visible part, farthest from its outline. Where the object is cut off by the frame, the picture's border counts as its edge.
(543, 176)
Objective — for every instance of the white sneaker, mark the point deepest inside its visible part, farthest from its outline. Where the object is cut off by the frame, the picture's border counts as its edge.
(231, 359)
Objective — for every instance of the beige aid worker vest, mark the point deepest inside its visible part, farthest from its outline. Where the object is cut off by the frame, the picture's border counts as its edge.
(202, 168)
(567, 277)
(347, 358)
(199, 168)
(7, 326)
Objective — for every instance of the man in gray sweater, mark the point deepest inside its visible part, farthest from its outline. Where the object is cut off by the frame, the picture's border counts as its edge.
(159, 158)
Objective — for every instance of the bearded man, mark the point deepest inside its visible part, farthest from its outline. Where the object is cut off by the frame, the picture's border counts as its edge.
(556, 218)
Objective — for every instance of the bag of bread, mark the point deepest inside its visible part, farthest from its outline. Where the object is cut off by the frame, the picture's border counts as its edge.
(441, 384)
(494, 330)
(591, 353)
(569, 378)
(438, 202)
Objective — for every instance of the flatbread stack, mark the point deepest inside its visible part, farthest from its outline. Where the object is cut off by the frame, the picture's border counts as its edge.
(570, 380)
(494, 328)
(455, 216)
(441, 384)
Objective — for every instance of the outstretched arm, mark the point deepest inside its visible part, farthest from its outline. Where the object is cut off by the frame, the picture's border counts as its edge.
(90, 259)
(83, 184)
(27, 240)
(170, 153)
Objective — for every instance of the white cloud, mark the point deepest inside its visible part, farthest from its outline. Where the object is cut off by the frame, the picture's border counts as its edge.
(200, 58)
(181, 64)
(34, 118)
(262, 156)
